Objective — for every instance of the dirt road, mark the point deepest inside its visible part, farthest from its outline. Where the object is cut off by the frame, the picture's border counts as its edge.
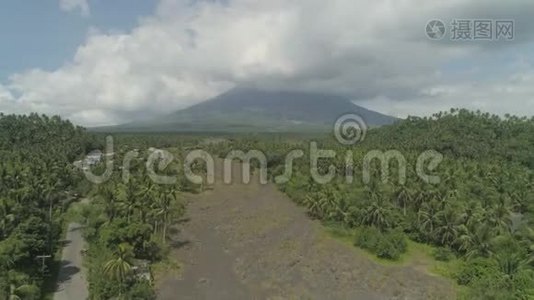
(252, 242)
(71, 281)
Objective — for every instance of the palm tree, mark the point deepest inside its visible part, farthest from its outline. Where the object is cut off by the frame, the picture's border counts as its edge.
(403, 197)
(312, 201)
(377, 213)
(164, 208)
(342, 211)
(520, 199)
(448, 227)
(476, 242)
(427, 218)
(6, 218)
(528, 243)
(146, 196)
(19, 287)
(23, 292)
(120, 266)
(329, 202)
(110, 202)
(499, 217)
(129, 202)
(423, 195)
(472, 213)
(510, 262)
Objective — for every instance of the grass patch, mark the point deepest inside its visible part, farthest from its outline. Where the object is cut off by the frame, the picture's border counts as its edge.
(168, 266)
(417, 255)
(347, 236)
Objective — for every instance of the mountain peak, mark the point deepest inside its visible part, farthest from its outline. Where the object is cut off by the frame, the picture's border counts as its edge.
(257, 110)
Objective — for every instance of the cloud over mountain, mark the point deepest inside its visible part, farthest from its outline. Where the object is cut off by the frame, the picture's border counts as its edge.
(374, 52)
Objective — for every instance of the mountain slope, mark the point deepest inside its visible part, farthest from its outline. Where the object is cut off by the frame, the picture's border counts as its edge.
(245, 109)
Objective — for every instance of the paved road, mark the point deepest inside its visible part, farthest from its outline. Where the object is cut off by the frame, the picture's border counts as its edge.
(71, 280)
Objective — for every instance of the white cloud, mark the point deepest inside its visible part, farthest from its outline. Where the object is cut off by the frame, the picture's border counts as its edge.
(5, 95)
(72, 5)
(187, 52)
(513, 95)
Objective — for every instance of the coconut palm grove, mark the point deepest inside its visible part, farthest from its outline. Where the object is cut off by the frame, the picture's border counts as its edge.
(473, 228)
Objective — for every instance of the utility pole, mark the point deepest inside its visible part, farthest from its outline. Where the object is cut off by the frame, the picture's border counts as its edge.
(43, 259)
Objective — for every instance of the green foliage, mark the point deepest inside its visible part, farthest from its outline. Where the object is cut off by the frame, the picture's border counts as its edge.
(120, 266)
(37, 180)
(141, 290)
(19, 286)
(388, 245)
(481, 211)
(368, 238)
(128, 222)
(487, 281)
(443, 254)
(475, 269)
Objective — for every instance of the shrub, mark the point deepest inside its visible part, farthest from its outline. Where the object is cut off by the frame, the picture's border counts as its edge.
(475, 269)
(141, 290)
(389, 245)
(386, 249)
(368, 238)
(486, 281)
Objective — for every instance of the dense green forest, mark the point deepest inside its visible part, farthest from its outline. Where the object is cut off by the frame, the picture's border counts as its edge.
(36, 186)
(127, 223)
(480, 214)
(124, 223)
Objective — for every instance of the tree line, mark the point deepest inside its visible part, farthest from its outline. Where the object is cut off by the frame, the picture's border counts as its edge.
(37, 183)
(127, 223)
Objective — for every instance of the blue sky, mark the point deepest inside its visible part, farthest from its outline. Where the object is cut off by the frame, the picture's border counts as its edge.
(38, 34)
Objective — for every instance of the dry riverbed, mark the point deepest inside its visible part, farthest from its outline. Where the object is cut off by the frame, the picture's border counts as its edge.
(251, 242)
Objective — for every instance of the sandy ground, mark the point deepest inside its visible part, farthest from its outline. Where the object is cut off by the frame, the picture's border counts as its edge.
(252, 242)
